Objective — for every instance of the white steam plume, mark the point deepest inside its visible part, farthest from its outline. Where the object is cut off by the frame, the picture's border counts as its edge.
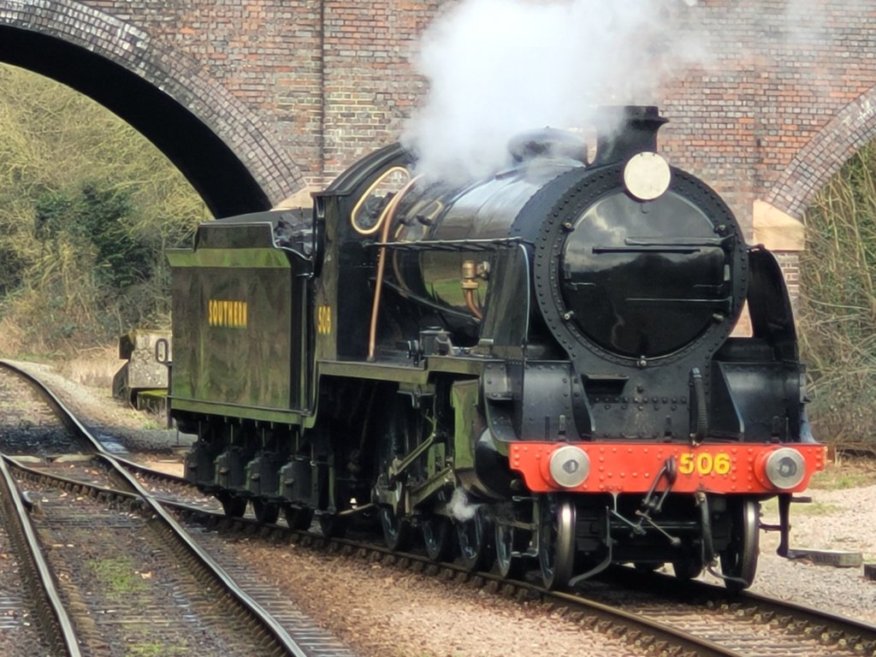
(460, 508)
(500, 67)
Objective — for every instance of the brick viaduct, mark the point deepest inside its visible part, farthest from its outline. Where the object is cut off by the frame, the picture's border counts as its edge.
(256, 100)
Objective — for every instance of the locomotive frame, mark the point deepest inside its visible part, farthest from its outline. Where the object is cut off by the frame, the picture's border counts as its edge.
(436, 357)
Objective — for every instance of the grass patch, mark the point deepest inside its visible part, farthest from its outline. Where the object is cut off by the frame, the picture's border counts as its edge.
(770, 508)
(816, 509)
(849, 473)
(153, 649)
(118, 575)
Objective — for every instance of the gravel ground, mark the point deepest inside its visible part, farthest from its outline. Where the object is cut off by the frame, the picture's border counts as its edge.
(384, 612)
(105, 415)
(840, 519)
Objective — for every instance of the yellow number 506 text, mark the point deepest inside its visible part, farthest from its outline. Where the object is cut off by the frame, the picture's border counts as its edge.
(704, 463)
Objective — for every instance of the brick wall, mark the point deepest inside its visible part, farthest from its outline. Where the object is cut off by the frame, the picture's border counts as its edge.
(300, 88)
(369, 85)
(778, 80)
(790, 264)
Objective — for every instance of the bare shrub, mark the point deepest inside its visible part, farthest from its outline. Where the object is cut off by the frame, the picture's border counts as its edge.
(837, 316)
(87, 208)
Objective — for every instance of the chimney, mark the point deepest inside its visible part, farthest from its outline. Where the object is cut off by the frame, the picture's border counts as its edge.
(624, 131)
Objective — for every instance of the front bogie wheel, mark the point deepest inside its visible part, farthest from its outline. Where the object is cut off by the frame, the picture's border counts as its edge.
(556, 541)
(473, 539)
(510, 543)
(739, 558)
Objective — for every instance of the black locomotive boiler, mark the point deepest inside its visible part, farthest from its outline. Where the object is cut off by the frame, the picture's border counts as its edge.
(535, 370)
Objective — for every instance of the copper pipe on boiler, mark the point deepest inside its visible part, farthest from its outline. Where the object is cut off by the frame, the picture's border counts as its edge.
(469, 287)
(472, 305)
(386, 221)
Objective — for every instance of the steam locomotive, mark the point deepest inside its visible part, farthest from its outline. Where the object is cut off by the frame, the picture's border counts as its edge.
(531, 371)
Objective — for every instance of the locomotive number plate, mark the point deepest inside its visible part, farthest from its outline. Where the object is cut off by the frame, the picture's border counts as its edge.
(704, 463)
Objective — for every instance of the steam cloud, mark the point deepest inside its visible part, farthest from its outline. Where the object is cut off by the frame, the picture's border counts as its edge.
(501, 67)
(460, 508)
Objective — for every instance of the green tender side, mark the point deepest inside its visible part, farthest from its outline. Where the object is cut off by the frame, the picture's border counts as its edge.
(237, 323)
(245, 258)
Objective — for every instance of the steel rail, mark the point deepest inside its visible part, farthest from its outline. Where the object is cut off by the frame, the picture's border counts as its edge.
(653, 629)
(829, 620)
(23, 537)
(862, 633)
(252, 608)
(155, 474)
(650, 631)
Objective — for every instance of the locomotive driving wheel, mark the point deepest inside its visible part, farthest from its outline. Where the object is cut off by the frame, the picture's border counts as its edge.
(437, 535)
(739, 559)
(556, 541)
(472, 536)
(398, 434)
(396, 530)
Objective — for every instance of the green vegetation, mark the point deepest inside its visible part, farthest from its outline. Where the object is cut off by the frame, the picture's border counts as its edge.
(838, 304)
(152, 649)
(87, 207)
(849, 473)
(817, 509)
(121, 580)
(118, 575)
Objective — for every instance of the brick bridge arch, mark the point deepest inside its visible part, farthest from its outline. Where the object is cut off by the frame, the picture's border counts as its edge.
(777, 218)
(225, 150)
(254, 100)
(817, 162)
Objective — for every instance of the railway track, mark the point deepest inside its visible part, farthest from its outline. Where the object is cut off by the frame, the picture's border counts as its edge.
(131, 579)
(34, 615)
(656, 615)
(749, 623)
